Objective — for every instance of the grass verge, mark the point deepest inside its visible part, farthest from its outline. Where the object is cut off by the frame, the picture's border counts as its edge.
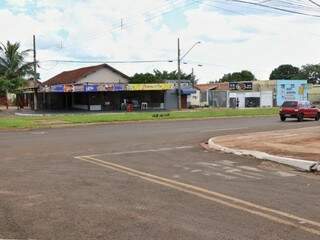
(69, 119)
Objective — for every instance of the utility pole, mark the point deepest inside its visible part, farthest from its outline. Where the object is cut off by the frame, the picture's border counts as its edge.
(192, 77)
(121, 25)
(179, 69)
(35, 102)
(179, 76)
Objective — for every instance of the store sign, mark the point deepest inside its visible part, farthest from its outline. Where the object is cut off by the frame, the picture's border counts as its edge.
(57, 88)
(236, 86)
(150, 87)
(117, 87)
(78, 88)
(183, 83)
(68, 88)
(91, 88)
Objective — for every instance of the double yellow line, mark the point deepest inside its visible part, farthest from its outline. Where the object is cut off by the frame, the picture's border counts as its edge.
(232, 202)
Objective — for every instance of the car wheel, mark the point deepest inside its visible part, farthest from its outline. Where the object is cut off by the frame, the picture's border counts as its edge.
(300, 117)
(317, 118)
(283, 118)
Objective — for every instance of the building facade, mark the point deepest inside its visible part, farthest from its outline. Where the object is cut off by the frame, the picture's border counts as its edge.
(103, 88)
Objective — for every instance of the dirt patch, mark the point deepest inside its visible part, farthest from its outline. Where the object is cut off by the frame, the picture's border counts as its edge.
(297, 143)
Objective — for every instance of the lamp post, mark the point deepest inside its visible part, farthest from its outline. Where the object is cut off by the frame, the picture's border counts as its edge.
(179, 69)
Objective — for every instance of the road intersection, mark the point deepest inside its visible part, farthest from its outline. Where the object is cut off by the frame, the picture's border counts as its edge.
(150, 181)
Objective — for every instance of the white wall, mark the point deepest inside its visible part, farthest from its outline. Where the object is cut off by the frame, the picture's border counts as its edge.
(194, 99)
(266, 99)
(103, 75)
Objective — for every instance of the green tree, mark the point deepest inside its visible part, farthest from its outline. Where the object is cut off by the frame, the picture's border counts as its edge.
(285, 71)
(244, 75)
(311, 72)
(13, 66)
(144, 78)
(165, 75)
(160, 76)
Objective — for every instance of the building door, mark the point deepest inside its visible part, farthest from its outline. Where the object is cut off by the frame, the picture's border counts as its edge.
(241, 100)
(233, 102)
(184, 103)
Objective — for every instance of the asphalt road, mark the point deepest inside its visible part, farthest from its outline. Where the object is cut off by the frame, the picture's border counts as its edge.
(151, 181)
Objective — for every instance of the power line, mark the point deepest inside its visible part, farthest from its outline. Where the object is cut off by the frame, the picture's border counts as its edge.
(221, 8)
(275, 8)
(148, 16)
(178, 6)
(314, 3)
(101, 62)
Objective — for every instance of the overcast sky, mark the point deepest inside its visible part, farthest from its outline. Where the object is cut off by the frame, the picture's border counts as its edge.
(234, 36)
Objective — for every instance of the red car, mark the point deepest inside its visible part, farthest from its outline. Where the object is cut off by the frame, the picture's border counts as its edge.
(299, 110)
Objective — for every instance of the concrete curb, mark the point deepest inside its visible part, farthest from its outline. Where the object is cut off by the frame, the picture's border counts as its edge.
(310, 166)
(31, 114)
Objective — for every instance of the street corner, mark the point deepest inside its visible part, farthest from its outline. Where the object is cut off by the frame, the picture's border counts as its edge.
(298, 148)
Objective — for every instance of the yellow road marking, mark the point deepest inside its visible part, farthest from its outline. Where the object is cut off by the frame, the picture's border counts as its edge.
(213, 196)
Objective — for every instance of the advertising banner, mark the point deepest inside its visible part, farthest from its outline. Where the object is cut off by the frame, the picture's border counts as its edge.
(245, 86)
(57, 88)
(78, 88)
(119, 87)
(114, 87)
(68, 88)
(150, 87)
(91, 88)
(291, 90)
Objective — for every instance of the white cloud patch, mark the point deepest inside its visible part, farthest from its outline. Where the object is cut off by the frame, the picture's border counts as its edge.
(92, 31)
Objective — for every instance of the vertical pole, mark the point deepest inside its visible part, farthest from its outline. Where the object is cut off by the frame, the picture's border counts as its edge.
(88, 97)
(192, 77)
(179, 77)
(35, 94)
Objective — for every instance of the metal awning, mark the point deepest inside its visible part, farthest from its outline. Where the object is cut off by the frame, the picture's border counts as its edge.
(188, 91)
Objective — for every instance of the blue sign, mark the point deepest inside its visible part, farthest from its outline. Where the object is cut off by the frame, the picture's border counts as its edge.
(291, 90)
(91, 88)
(57, 88)
(119, 87)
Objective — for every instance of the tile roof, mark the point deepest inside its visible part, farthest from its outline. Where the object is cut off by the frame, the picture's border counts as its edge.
(207, 86)
(212, 86)
(69, 77)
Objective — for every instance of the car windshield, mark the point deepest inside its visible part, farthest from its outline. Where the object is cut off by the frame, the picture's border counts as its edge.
(290, 104)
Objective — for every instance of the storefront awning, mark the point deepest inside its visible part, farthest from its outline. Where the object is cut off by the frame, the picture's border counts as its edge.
(187, 91)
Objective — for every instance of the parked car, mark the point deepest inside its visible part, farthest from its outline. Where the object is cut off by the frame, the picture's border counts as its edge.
(299, 110)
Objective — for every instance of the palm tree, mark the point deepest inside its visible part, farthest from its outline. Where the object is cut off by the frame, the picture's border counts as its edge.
(13, 66)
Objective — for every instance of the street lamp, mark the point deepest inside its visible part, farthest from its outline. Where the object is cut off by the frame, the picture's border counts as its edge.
(179, 69)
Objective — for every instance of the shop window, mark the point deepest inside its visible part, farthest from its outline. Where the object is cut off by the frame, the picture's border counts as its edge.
(252, 102)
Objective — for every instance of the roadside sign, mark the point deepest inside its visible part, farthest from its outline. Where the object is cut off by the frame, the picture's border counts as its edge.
(240, 86)
(91, 88)
(149, 87)
(57, 88)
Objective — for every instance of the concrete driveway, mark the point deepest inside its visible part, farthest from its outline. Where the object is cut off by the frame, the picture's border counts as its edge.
(150, 181)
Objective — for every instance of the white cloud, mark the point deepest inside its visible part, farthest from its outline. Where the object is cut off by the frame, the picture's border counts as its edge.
(17, 3)
(229, 42)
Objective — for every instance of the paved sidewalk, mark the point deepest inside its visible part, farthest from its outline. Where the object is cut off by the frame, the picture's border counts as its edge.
(303, 143)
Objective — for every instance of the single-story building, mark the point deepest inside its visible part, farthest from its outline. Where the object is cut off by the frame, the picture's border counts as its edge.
(171, 100)
(29, 94)
(267, 93)
(209, 94)
(102, 88)
(249, 94)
